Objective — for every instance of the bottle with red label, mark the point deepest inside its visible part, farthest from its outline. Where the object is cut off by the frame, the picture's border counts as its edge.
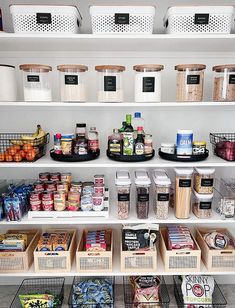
(93, 140)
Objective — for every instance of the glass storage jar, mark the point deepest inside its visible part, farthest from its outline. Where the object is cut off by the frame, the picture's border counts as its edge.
(142, 183)
(202, 205)
(190, 80)
(148, 83)
(36, 82)
(72, 82)
(224, 83)
(109, 83)
(8, 85)
(204, 180)
(123, 185)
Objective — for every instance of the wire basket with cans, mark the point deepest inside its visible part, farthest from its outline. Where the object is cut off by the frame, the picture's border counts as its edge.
(223, 145)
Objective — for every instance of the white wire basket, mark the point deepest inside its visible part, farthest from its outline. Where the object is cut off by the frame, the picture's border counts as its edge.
(122, 19)
(45, 19)
(199, 19)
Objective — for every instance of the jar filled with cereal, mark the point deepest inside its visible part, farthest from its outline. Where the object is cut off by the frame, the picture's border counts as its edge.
(204, 180)
(224, 83)
(123, 184)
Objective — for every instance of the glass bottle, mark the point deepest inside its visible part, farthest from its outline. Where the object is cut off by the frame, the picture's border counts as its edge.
(129, 127)
(80, 130)
(93, 140)
(122, 129)
(139, 141)
(115, 142)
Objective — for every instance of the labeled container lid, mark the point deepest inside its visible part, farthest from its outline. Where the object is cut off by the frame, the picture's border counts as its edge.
(148, 67)
(161, 178)
(122, 178)
(199, 143)
(184, 171)
(102, 68)
(185, 131)
(72, 67)
(67, 136)
(222, 68)
(203, 196)
(206, 171)
(142, 178)
(191, 67)
(137, 114)
(35, 67)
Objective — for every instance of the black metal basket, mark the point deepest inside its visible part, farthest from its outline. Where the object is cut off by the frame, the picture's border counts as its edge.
(128, 296)
(223, 145)
(218, 300)
(54, 286)
(77, 279)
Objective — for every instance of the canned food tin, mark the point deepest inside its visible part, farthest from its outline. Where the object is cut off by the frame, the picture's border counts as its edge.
(98, 202)
(99, 189)
(35, 200)
(44, 176)
(99, 179)
(62, 186)
(74, 196)
(47, 201)
(72, 206)
(76, 186)
(38, 186)
(50, 186)
(59, 201)
(55, 176)
(66, 177)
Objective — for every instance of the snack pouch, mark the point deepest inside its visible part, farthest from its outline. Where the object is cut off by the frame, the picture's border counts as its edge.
(37, 300)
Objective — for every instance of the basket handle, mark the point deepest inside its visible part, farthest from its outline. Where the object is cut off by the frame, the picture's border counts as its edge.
(94, 254)
(225, 252)
(7, 254)
(138, 253)
(183, 253)
(51, 253)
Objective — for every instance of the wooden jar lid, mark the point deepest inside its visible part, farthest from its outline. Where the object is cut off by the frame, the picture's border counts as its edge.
(148, 67)
(37, 67)
(221, 68)
(77, 67)
(101, 68)
(193, 67)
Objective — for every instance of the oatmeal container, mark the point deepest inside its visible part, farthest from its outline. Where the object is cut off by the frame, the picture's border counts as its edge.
(142, 183)
(123, 184)
(224, 83)
(204, 180)
(162, 194)
(109, 83)
(202, 205)
(36, 82)
(190, 80)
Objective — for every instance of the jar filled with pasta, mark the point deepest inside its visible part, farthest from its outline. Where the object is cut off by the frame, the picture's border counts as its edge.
(224, 83)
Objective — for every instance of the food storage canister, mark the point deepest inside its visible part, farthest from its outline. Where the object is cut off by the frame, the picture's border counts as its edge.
(109, 83)
(168, 148)
(162, 194)
(66, 144)
(202, 205)
(142, 183)
(190, 81)
(123, 184)
(224, 82)
(204, 180)
(36, 82)
(184, 142)
(72, 82)
(199, 147)
(8, 85)
(148, 83)
(183, 189)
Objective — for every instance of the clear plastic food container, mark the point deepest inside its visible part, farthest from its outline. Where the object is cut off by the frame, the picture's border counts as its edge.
(204, 180)
(72, 82)
(123, 184)
(183, 190)
(190, 81)
(109, 83)
(224, 197)
(162, 194)
(202, 205)
(36, 82)
(224, 82)
(8, 85)
(142, 183)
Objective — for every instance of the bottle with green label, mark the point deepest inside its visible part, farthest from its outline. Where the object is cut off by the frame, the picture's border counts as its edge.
(139, 142)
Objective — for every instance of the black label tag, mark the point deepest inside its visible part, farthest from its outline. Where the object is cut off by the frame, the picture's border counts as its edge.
(109, 83)
(201, 19)
(71, 79)
(148, 84)
(184, 183)
(162, 197)
(123, 197)
(193, 79)
(207, 182)
(33, 78)
(43, 18)
(143, 197)
(231, 79)
(205, 205)
(122, 19)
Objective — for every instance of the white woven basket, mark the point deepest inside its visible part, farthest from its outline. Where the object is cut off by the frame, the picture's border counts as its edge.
(199, 19)
(122, 19)
(45, 19)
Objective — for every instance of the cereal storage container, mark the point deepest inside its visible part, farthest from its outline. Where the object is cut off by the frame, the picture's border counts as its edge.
(202, 205)
(199, 19)
(190, 80)
(36, 82)
(224, 82)
(204, 180)
(123, 184)
(8, 85)
(183, 188)
(162, 194)
(122, 19)
(142, 183)
(148, 82)
(109, 83)
(72, 82)
(45, 19)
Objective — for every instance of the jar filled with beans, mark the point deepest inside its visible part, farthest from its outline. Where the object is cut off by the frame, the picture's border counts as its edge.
(123, 185)
(142, 183)
(204, 180)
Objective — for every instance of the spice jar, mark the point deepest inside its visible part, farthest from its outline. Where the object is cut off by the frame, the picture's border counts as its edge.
(204, 180)
(202, 205)
(148, 144)
(142, 183)
(123, 184)
(36, 82)
(148, 83)
(109, 83)
(199, 147)
(8, 85)
(224, 83)
(162, 194)
(190, 80)
(72, 82)
(183, 188)
(66, 144)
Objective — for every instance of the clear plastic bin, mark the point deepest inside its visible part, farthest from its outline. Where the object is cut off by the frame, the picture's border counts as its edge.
(224, 83)
(204, 180)
(123, 184)
(224, 197)
(142, 183)
(202, 205)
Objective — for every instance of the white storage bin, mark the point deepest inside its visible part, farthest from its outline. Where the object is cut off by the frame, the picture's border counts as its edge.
(45, 18)
(199, 19)
(8, 84)
(122, 19)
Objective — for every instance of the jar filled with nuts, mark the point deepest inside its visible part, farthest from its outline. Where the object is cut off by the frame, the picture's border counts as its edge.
(123, 184)
(204, 180)
(143, 183)
(202, 205)
(224, 83)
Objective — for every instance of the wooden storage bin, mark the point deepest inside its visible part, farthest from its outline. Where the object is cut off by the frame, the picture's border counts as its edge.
(95, 261)
(56, 261)
(216, 260)
(22, 260)
(179, 260)
(143, 261)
